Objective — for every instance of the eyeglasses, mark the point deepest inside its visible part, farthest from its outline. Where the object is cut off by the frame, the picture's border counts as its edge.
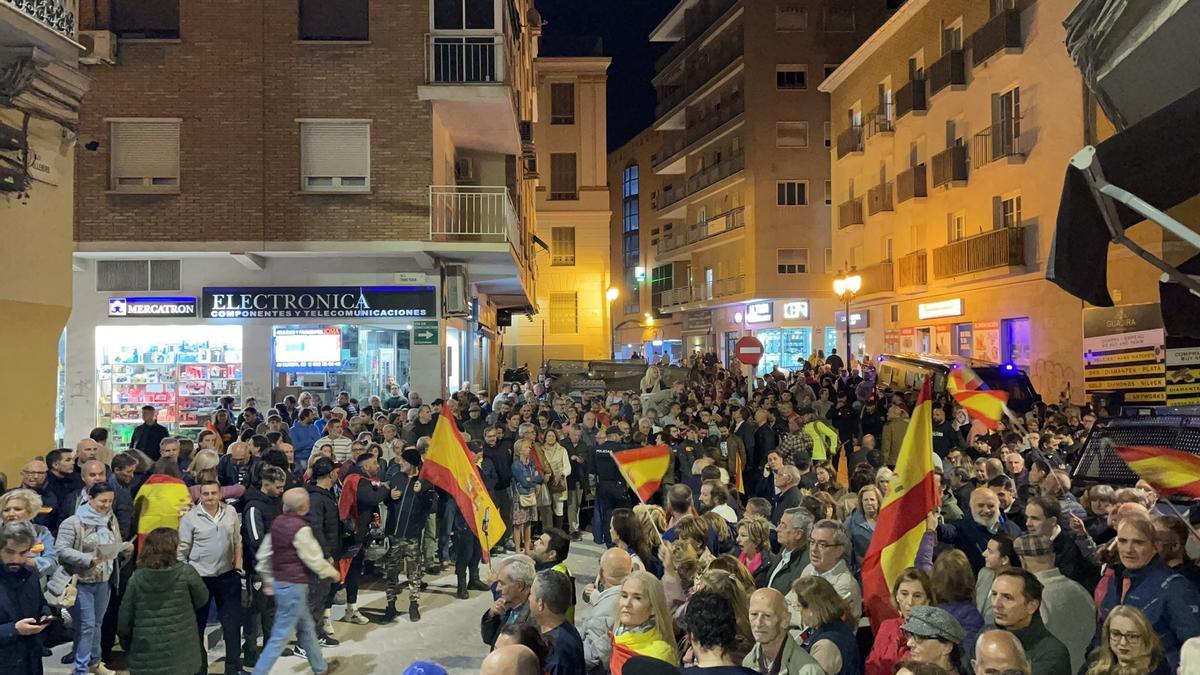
(823, 545)
(1118, 636)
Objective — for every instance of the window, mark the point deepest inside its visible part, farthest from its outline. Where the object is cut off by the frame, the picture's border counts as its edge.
(335, 156)
(1006, 123)
(952, 36)
(1001, 6)
(562, 176)
(790, 17)
(562, 246)
(791, 134)
(839, 20)
(792, 260)
(958, 226)
(145, 156)
(661, 279)
(146, 19)
(791, 76)
(629, 181)
(562, 103)
(563, 313)
(632, 292)
(463, 14)
(828, 129)
(632, 246)
(791, 193)
(1010, 211)
(828, 192)
(334, 20)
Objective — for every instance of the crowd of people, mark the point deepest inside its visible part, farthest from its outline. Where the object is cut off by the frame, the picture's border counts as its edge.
(748, 559)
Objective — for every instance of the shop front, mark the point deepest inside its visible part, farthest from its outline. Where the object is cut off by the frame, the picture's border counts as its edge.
(183, 354)
(783, 326)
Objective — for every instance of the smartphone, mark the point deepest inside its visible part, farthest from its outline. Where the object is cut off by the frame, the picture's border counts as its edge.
(42, 621)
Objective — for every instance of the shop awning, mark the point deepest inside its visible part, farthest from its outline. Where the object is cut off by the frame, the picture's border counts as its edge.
(1157, 162)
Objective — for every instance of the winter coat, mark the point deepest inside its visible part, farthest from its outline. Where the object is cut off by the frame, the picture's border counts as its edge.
(258, 512)
(406, 516)
(1168, 600)
(157, 620)
(558, 464)
(76, 545)
(323, 517)
(21, 598)
(893, 437)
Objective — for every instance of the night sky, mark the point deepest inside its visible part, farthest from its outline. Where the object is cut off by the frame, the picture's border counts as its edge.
(623, 26)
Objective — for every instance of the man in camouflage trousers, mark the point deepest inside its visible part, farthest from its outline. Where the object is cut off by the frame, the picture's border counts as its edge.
(408, 507)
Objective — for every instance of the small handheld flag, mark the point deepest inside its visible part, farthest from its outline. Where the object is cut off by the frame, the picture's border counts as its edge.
(981, 403)
(1171, 472)
(644, 468)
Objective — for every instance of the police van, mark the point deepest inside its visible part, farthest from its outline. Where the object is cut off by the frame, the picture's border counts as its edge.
(905, 372)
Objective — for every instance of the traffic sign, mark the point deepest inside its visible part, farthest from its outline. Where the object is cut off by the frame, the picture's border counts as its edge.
(425, 333)
(748, 350)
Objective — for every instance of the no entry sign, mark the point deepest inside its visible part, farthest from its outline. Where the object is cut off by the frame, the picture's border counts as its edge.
(748, 350)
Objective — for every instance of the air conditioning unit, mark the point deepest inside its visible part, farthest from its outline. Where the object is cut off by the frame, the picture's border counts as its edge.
(455, 293)
(464, 170)
(99, 46)
(531, 167)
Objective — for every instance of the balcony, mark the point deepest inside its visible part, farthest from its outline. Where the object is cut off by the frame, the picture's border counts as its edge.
(669, 196)
(878, 278)
(667, 150)
(1004, 247)
(948, 71)
(850, 140)
(698, 20)
(468, 213)
(1000, 34)
(850, 212)
(879, 199)
(881, 120)
(698, 71)
(998, 142)
(717, 172)
(49, 24)
(913, 270)
(467, 78)
(698, 233)
(911, 98)
(680, 298)
(726, 110)
(912, 183)
(950, 166)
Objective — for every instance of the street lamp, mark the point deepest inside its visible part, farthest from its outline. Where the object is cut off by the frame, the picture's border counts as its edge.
(846, 286)
(612, 294)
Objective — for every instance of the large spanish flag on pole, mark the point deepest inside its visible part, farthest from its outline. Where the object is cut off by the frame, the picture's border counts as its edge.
(644, 468)
(972, 394)
(449, 465)
(1171, 472)
(901, 522)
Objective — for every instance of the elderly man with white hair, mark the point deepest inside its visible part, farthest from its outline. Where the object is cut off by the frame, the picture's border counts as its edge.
(787, 491)
(827, 546)
(514, 581)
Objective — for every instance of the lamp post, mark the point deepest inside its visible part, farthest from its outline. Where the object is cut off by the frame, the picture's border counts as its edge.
(846, 286)
(612, 294)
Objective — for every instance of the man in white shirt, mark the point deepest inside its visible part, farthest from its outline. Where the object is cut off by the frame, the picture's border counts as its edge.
(335, 436)
(827, 546)
(714, 496)
(210, 541)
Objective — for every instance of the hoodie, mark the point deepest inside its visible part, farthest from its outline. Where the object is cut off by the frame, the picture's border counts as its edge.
(258, 512)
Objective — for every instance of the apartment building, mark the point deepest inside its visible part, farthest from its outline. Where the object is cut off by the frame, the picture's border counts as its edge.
(290, 195)
(572, 246)
(638, 328)
(40, 92)
(953, 126)
(745, 202)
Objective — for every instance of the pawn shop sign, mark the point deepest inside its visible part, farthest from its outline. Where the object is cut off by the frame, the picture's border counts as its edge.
(748, 350)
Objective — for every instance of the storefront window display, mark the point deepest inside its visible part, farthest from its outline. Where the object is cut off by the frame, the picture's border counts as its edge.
(324, 360)
(786, 348)
(183, 371)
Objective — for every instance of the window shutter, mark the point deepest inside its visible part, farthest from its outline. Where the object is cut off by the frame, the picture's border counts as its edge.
(145, 152)
(338, 150)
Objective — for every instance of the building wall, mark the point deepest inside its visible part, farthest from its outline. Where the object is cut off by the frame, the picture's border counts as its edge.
(239, 80)
(531, 340)
(1052, 103)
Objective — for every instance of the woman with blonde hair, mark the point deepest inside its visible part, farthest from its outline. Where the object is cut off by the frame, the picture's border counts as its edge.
(830, 640)
(1128, 646)
(526, 480)
(21, 505)
(642, 625)
(203, 469)
(754, 539)
(695, 529)
(883, 481)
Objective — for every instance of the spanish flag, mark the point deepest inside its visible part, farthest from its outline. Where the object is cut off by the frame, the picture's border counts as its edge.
(972, 394)
(644, 468)
(901, 522)
(449, 465)
(1171, 472)
(738, 469)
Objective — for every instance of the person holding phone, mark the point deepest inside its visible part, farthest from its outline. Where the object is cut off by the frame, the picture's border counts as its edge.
(23, 611)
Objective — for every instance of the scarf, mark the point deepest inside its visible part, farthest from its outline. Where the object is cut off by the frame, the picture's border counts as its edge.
(621, 629)
(751, 564)
(91, 518)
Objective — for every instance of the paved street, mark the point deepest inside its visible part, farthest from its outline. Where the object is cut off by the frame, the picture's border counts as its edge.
(448, 632)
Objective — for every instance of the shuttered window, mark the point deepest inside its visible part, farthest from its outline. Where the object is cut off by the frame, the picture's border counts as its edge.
(335, 156)
(562, 103)
(138, 275)
(145, 156)
(563, 313)
(562, 246)
(562, 176)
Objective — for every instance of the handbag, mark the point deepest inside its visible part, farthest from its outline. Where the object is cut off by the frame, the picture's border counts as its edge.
(527, 499)
(62, 590)
(557, 484)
